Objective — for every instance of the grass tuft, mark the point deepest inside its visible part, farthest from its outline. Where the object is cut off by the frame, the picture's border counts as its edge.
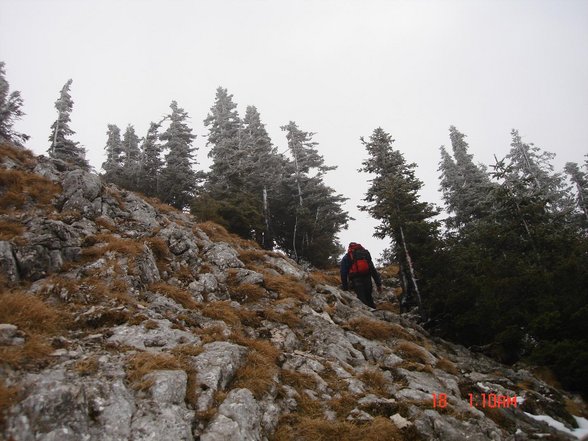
(182, 296)
(377, 329)
(18, 187)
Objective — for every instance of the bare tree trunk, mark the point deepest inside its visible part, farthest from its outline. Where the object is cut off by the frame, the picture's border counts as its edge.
(294, 239)
(411, 269)
(265, 218)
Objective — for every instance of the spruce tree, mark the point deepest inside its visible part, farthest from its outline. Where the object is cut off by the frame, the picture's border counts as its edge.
(263, 168)
(151, 162)
(114, 155)
(62, 147)
(393, 199)
(310, 214)
(178, 179)
(224, 138)
(10, 111)
(132, 156)
(580, 180)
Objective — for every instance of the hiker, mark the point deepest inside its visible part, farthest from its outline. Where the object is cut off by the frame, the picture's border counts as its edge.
(357, 270)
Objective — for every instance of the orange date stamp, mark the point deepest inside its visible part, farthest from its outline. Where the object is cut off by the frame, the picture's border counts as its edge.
(482, 400)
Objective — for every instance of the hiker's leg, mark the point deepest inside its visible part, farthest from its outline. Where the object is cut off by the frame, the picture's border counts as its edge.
(363, 288)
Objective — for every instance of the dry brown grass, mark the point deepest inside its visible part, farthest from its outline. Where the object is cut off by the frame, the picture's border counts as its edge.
(447, 365)
(412, 352)
(212, 333)
(286, 286)
(8, 398)
(222, 310)
(377, 329)
(375, 381)
(34, 353)
(87, 366)
(24, 156)
(19, 187)
(252, 256)
(109, 242)
(247, 292)
(331, 278)
(260, 371)
(143, 363)
(344, 404)
(389, 271)
(30, 314)
(159, 247)
(180, 295)
(298, 428)
(10, 229)
(298, 380)
(159, 206)
(216, 232)
(287, 317)
(389, 306)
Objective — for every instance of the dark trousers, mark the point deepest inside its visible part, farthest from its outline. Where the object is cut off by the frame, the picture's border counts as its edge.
(362, 285)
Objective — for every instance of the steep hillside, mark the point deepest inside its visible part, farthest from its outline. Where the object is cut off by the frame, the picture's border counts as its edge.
(123, 319)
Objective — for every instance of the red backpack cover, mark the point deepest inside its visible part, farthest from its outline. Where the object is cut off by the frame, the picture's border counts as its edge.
(360, 260)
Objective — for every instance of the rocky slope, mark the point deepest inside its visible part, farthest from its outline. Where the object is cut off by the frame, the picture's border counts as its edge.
(123, 319)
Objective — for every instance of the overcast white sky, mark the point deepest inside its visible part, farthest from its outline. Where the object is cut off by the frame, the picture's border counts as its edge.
(338, 68)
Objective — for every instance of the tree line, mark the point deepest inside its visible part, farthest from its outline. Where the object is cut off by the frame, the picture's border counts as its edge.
(505, 271)
(500, 267)
(279, 200)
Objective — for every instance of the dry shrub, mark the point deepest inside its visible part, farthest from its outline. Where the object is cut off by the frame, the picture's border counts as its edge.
(212, 333)
(158, 205)
(287, 317)
(87, 366)
(375, 381)
(35, 352)
(159, 247)
(344, 404)
(250, 256)
(257, 375)
(175, 293)
(286, 286)
(447, 365)
(298, 380)
(216, 232)
(249, 317)
(324, 278)
(259, 372)
(30, 313)
(9, 229)
(389, 306)
(389, 271)
(412, 351)
(222, 310)
(415, 366)
(143, 363)
(8, 398)
(104, 222)
(22, 155)
(110, 242)
(377, 329)
(314, 429)
(247, 292)
(18, 187)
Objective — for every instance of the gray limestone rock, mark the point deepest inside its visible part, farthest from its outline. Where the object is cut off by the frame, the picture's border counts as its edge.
(8, 265)
(80, 193)
(223, 256)
(154, 422)
(239, 419)
(181, 242)
(164, 337)
(216, 367)
(169, 386)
